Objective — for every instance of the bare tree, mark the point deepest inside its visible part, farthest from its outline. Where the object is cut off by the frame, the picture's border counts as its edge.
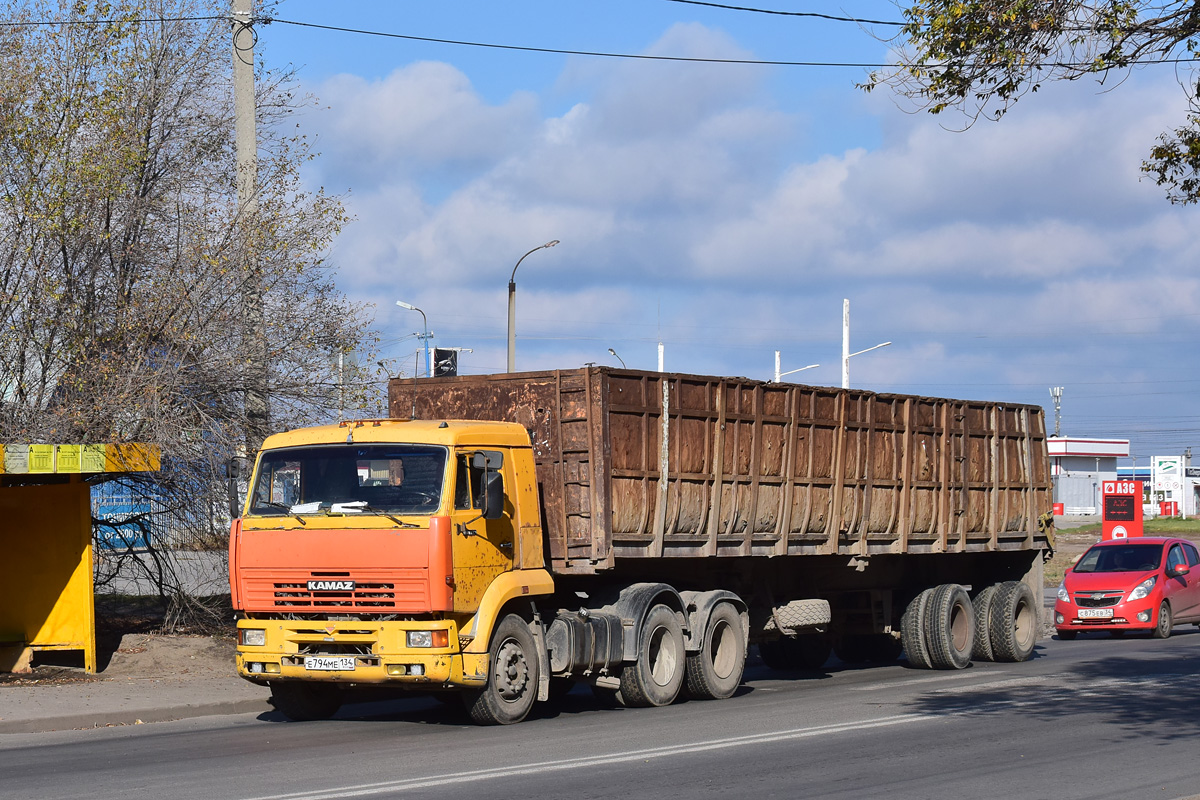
(121, 244)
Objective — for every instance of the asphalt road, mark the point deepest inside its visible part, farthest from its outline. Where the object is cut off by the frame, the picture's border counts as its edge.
(1094, 718)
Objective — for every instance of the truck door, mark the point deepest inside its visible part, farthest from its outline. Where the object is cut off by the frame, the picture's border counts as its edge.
(483, 548)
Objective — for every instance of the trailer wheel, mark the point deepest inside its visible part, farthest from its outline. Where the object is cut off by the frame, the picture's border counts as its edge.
(949, 627)
(806, 652)
(301, 702)
(715, 672)
(512, 683)
(912, 631)
(982, 604)
(1012, 625)
(657, 676)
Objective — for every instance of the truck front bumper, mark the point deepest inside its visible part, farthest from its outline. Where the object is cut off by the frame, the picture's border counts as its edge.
(417, 653)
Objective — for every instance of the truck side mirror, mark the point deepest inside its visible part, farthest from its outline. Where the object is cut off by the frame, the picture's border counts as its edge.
(493, 495)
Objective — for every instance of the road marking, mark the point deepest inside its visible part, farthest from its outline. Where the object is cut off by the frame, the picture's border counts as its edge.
(594, 761)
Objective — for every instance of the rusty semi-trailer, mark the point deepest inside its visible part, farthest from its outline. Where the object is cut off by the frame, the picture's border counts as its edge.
(636, 531)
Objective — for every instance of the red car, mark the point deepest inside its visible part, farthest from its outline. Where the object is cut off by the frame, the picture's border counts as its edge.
(1138, 584)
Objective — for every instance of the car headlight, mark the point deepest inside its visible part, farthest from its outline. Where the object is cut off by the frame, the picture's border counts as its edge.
(1143, 589)
(1062, 593)
(252, 637)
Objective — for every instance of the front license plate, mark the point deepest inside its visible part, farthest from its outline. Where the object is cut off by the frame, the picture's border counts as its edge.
(1095, 613)
(330, 663)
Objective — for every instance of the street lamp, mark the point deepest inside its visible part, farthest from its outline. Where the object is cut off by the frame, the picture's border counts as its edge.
(846, 354)
(426, 336)
(779, 374)
(618, 358)
(512, 306)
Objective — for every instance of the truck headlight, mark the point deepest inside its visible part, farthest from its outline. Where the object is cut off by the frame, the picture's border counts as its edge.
(1143, 588)
(428, 638)
(252, 637)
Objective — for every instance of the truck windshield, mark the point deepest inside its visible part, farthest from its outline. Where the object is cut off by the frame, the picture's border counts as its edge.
(350, 479)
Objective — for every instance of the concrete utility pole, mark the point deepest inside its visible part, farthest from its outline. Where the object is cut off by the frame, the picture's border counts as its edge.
(512, 306)
(846, 354)
(246, 141)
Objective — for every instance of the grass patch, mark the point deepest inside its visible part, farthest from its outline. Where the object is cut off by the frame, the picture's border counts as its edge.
(1165, 526)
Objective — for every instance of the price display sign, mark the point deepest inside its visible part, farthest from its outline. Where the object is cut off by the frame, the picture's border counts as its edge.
(1122, 509)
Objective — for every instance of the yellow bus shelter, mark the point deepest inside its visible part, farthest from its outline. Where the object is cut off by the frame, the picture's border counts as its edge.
(47, 596)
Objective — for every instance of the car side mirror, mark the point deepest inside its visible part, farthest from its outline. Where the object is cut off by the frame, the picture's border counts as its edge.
(1176, 571)
(493, 495)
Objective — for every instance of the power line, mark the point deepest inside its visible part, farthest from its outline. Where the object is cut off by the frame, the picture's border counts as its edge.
(684, 59)
(812, 14)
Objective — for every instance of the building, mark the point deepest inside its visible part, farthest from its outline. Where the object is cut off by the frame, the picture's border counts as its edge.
(1079, 467)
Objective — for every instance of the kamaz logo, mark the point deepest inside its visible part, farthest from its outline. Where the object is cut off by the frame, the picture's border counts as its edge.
(331, 586)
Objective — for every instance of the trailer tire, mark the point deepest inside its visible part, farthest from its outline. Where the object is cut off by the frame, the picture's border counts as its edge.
(301, 702)
(982, 604)
(657, 676)
(512, 683)
(806, 652)
(912, 631)
(949, 627)
(1012, 624)
(715, 672)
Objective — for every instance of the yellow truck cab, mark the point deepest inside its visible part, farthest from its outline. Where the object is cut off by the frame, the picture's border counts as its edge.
(376, 551)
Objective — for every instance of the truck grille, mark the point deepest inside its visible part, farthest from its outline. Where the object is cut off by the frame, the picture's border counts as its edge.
(364, 595)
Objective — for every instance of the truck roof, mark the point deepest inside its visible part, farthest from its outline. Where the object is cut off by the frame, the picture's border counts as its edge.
(446, 432)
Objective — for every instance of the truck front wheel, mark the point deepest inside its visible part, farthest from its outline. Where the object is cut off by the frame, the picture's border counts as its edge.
(657, 676)
(512, 683)
(301, 702)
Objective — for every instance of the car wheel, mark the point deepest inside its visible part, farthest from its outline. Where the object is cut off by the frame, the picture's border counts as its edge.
(1013, 623)
(1163, 629)
(1068, 636)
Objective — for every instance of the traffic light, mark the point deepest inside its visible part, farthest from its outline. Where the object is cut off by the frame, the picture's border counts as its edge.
(445, 363)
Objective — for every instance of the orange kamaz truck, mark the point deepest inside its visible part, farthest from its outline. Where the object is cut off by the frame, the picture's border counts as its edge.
(504, 537)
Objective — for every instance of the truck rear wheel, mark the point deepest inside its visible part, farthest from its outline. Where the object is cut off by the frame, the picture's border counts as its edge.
(512, 683)
(912, 631)
(949, 627)
(301, 702)
(1012, 624)
(715, 672)
(657, 676)
(982, 604)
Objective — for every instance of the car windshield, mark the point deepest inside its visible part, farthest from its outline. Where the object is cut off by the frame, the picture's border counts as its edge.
(351, 478)
(1120, 558)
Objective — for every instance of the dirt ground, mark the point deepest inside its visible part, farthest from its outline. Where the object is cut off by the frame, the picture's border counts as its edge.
(130, 643)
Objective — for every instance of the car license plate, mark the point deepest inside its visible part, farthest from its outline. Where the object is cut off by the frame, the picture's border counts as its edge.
(330, 663)
(1095, 613)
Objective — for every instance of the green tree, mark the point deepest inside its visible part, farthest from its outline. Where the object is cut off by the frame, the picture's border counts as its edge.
(123, 246)
(981, 56)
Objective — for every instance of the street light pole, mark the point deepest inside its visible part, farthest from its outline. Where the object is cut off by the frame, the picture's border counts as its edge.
(846, 354)
(425, 336)
(512, 306)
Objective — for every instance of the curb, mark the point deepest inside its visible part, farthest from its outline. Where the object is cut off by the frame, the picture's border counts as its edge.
(101, 719)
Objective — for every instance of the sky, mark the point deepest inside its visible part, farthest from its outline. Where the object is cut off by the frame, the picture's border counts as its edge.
(728, 209)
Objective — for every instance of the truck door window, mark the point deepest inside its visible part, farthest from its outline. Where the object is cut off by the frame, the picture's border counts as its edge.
(464, 483)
